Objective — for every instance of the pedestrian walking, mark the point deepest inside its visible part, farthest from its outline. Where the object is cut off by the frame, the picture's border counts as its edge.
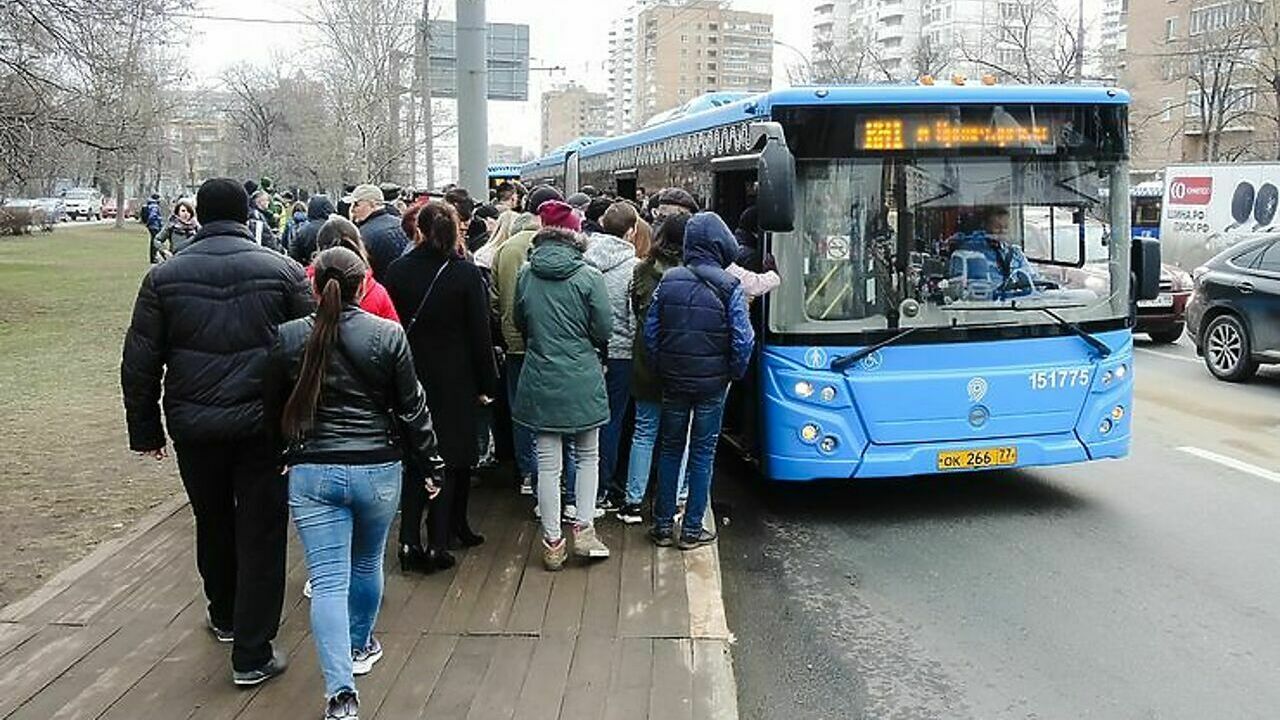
(261, 222)
(665, 252)
(178, 232)
(440, 297)
(212, 393)
(507, 262)
(379, 227)
(611, 252)
(153, 218)
(338, 231)
(339, 384)
(562, 310)
(698, 333)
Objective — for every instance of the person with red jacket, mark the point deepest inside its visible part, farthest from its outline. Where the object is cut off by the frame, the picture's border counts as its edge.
(338, 231)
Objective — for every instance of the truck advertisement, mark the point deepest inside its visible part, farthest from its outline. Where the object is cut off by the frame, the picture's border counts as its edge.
(1208, 208)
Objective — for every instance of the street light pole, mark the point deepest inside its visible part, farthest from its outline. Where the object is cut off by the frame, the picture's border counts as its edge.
(473, 87)
(1080, 42)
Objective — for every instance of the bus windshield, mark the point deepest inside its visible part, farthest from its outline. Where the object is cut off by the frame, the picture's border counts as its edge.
(938, 238)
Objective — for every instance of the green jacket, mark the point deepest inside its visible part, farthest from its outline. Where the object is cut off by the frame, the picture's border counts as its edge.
(645, 384)
(502, 290)
(562, 307)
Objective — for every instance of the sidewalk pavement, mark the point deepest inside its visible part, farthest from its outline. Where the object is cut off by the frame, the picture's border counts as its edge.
(643, 635)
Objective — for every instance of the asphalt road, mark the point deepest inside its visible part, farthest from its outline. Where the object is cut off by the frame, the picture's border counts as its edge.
(1146, 588)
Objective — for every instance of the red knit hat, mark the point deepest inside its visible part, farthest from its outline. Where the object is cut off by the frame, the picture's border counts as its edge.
(557, 213)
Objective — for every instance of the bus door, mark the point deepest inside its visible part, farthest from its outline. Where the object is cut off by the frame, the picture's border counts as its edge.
(733, 190)
(570, 173)
(624, 182)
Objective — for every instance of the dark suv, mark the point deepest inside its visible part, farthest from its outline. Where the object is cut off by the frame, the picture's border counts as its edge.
(1234, 312)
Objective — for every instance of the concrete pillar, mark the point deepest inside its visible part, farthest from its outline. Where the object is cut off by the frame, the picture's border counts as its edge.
(473, 113)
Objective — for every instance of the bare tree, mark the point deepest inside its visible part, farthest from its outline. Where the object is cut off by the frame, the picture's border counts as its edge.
(1031, 42)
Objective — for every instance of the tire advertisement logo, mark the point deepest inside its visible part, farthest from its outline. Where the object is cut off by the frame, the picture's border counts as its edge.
(1190, 190)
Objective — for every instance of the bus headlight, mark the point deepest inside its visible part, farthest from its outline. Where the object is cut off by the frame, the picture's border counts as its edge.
(828, 393)
(1105, 426)
(809, 432)
(1117, 413)
(1120, 371)
(804, 388)
(829, 444)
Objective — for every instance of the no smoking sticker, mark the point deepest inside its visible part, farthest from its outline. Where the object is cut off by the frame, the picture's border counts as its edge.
(837, 247)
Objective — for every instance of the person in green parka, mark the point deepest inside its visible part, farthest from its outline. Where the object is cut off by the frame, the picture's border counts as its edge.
(562, 310)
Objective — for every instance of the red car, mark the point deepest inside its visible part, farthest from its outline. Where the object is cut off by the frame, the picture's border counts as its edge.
(1163, 318)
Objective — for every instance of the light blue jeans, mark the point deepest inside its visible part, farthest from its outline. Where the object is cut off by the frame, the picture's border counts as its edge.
(343, 513)
(643, 442)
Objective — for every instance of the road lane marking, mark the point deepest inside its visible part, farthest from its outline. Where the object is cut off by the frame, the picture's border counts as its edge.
(1232, 463)
(1170, 356)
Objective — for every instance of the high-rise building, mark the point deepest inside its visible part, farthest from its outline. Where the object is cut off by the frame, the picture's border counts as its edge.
(830, 30)
(695, 47)
(622, 67)
(1113, 37)
(499, 153)
(570, 112)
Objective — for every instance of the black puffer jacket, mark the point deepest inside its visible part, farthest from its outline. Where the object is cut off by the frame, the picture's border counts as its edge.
(203, 322)
(384, 239)
(302, 245)
(370, 397)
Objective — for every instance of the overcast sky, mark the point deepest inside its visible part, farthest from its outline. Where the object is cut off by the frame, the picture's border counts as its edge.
(563, 33)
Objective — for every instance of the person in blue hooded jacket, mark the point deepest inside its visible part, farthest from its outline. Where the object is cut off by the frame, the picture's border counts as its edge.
(699, 337)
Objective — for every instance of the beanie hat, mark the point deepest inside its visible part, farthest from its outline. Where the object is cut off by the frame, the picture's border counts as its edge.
(578, 200)
(560, 214)
(541, 194)
(596, 208)
(222, 199)
(679, 197)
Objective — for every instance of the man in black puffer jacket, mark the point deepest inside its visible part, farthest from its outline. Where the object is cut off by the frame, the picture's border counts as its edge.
(379, 228)
(202, 326)
(303, 243)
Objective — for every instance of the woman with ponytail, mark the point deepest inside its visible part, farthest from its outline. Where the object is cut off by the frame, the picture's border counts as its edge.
(441, 299)
(341, 391)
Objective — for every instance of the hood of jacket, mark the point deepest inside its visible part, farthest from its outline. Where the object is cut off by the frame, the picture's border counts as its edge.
(606, 252)
(523, 222)
(708, 241)
(320, 207)
(556, 255)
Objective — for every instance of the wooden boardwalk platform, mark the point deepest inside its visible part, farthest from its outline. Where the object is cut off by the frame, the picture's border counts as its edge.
(642, 635)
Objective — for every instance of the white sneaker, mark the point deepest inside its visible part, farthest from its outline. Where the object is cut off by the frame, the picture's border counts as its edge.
(306, 589)
(362, 661)
(526, 486)
(569, 514)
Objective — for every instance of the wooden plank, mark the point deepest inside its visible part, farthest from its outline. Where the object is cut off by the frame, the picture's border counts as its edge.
(604, 581)
(670, 596)
(470, 575)
(717, 693)
(544, 686)
(375, 686)
(300, 691)
(529, 607)
(671, 694)
(500, 689)
(407, 696)
(12, 635)
(491, 608)
(19, 609)
(161, 597)
(635, 603)
(219, 699)
(568, 596)
(629, 681)
(705, 594)
(42, 659)
(588, 684)
(90, 686)
(461, 680)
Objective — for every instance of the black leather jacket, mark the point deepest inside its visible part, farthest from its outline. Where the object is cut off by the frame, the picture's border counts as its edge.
(372, 408)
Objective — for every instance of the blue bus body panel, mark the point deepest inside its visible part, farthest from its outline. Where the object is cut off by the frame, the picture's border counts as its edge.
(892, 413)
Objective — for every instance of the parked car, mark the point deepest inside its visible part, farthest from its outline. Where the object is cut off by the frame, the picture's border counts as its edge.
(108, 207)
(55, 209)
(1162, 319)
(83, 203)
(18, 216)
(1234, 312)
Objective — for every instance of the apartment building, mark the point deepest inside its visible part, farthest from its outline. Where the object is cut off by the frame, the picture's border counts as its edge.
(1196, 95)
(830, 28)
(663, 53)
(572, 111)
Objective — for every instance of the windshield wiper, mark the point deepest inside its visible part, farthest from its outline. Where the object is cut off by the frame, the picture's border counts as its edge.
(1095, 343)
(844, 362)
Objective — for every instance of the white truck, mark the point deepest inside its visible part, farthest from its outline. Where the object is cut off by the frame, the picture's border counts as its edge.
(83, 203)
(1210, 207)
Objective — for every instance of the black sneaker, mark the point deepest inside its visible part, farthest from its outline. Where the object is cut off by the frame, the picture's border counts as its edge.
(278, 663)
(662, 537)
(222, 636)
(607, 505)
(630, 514)
(704, 537)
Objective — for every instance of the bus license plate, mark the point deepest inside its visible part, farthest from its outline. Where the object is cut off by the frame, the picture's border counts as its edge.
(980, 458)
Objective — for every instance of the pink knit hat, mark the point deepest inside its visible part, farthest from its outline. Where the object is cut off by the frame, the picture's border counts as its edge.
(557, 213)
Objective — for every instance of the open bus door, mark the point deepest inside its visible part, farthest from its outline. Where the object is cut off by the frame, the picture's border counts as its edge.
(624, 182)
(733, 190)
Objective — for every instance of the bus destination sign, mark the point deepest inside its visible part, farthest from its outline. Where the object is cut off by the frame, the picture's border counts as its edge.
(931, 132)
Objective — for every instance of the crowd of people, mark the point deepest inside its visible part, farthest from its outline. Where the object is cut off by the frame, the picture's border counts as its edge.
(338, 362)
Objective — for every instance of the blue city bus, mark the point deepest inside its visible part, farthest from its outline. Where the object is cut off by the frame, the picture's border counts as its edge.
(957, 290)
(502, 172)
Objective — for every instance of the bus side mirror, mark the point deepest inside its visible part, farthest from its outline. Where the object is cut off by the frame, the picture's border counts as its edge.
(1145, 260)
(776, 176)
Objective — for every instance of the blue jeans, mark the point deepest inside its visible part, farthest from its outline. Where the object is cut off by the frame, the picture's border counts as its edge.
(643, 441)
(343, 514)
(701, 441)
(526, 457)
(618, 383)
